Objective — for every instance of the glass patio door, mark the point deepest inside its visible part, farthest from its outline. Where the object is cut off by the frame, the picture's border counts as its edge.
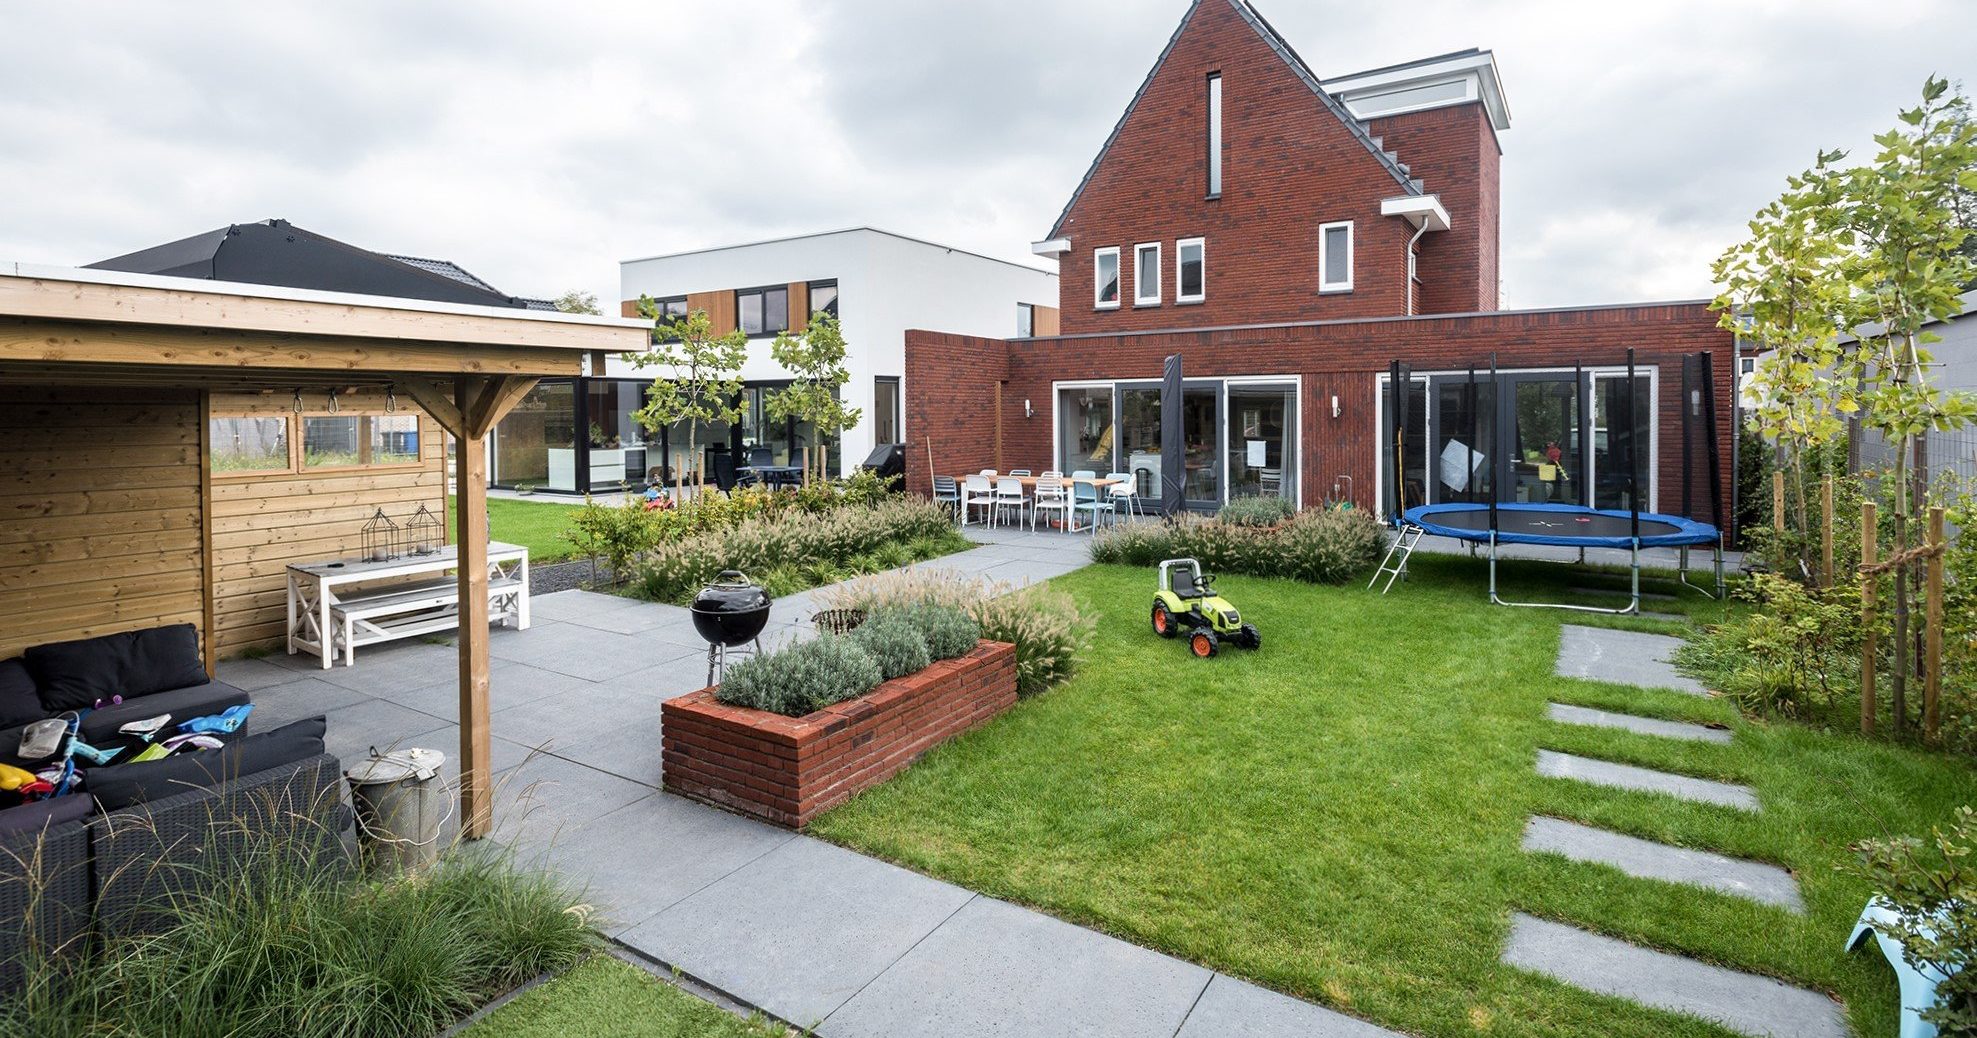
(1262, 459)
(1543, 451)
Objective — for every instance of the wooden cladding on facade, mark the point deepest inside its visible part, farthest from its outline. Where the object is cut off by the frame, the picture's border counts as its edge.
(1045, 320)
(101, 515)
(265, 521)
(799, 307)
(720, 307)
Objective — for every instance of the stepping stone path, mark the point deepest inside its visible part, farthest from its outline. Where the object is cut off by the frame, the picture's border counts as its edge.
(1747, 1003)
(1623, 658)
(1585, 715)
(1626, 776)
(1647, 859)
(1751, 1004)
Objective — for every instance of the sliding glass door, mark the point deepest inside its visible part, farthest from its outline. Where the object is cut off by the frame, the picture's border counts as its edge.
(1238, 437)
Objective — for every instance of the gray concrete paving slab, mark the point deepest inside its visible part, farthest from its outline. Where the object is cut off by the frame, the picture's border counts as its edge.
(1232, 1007)
(1646, 859)
(1622, 657)
(252, 675)
(1743, 1002)
(997, 969)
(297, 698)
(354, 729)
(1587, 716)
(581, 652)
(1646, 780)
(642, 858)
(801, 928)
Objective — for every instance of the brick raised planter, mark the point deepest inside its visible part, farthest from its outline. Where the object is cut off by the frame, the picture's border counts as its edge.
(789, 770)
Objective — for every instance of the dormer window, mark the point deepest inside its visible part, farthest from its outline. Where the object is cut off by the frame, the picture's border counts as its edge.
(1105, 278)
(1335, 257)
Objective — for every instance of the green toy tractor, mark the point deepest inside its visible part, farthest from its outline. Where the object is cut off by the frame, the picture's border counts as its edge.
(1187, 604)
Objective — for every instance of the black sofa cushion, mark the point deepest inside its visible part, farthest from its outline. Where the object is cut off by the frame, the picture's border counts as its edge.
(121, 785)
(45, 814)
(19, 703)
(99, 727)
(75, 674)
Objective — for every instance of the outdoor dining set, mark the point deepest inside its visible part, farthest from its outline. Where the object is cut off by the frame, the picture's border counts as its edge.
(1077, 502)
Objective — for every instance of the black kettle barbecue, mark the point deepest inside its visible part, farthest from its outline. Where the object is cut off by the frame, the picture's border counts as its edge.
(729, 613)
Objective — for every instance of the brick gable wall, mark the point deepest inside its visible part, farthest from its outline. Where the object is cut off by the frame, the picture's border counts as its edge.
(1455, 152)
(954, 381)
(1289, 166)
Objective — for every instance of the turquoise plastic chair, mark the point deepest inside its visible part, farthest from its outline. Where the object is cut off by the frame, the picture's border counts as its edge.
(1918, 987)
(1084, 498)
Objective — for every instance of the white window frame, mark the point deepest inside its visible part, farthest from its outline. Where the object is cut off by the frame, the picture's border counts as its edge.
(1214, 102)
(1181, 257)
(1098, 283)
(1139, 257)
(1324, 238)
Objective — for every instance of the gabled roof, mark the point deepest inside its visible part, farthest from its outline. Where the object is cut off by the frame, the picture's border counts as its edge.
(278, 253)
(1297, 65)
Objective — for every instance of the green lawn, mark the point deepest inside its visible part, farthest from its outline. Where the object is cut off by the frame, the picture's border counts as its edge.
(607, 998)
(535, 525)
(1338, 815)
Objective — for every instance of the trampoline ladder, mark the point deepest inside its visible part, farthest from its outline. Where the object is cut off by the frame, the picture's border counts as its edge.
(1394, 566)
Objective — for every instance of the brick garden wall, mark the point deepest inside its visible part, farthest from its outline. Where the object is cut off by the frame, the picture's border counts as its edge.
(789, 770)
(949, 389)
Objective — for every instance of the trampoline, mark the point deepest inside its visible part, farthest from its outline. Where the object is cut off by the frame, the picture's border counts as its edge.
(1562, 523)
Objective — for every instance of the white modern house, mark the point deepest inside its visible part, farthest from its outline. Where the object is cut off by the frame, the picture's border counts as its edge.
(578, 435)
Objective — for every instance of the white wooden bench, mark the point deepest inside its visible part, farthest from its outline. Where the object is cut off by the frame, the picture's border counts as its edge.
(337, 605)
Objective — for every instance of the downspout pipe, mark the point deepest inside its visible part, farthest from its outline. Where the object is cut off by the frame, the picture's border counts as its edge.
(1419, 233)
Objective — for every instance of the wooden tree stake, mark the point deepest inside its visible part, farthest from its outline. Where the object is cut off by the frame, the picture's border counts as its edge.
(1932, 651)
(1868, 530)
(1826, 533)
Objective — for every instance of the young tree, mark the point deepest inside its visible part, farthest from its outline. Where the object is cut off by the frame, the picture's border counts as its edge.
(578, 301)
(1906, 268)
(815, 360)
(1783, 292)
(699, 381)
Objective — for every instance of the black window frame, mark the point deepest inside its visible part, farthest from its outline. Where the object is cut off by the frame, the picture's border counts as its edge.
(763, 291)
(1026, 320)
(666, 313)
(836, 296)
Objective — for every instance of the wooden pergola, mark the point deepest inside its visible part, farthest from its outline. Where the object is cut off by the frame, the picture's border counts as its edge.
(78, 332)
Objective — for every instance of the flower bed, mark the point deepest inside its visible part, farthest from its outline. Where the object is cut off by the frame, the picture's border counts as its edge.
(789, 770)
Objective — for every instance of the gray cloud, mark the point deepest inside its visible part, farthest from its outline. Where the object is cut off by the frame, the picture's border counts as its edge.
(538, 145)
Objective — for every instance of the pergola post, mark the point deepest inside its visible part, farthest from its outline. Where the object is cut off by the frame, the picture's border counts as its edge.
(477, 403)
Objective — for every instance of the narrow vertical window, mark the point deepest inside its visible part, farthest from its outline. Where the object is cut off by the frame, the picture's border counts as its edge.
(1026, 320)
(1105, 278)
(1215, 135)
(1335, 257)
(1190, 270)
(1146, 274)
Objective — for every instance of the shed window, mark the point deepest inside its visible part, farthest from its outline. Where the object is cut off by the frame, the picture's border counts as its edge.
(344, 441)
(240, 445)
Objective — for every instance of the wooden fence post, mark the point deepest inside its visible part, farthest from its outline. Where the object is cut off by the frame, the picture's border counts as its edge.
(1826, 533)
(1932, 651)
(1868, 530)
(1778, 501)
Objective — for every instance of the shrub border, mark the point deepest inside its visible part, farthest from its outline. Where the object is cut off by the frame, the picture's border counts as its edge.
(789, 770)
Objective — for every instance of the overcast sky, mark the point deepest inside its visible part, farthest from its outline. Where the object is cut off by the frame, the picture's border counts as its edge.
(538, 144)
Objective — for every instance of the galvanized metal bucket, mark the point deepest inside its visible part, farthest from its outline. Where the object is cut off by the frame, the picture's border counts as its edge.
(401, 807)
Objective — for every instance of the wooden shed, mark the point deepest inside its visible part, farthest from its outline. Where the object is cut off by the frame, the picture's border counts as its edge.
(169, 446)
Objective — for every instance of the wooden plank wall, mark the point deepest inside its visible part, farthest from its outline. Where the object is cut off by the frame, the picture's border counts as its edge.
(100, 512)
(720, 307)
(263, 522)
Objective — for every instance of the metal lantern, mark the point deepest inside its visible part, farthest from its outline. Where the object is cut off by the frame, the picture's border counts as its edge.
(380, 538)
(424, 533)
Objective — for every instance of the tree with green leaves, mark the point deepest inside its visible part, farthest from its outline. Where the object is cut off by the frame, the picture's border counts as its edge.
(815, 361)
(1783, 294)
(1876, 249)
(578, 301)
(1906, 268)
(699, 379)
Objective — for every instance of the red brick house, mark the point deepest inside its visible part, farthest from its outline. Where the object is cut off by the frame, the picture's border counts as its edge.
(1291, 237)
